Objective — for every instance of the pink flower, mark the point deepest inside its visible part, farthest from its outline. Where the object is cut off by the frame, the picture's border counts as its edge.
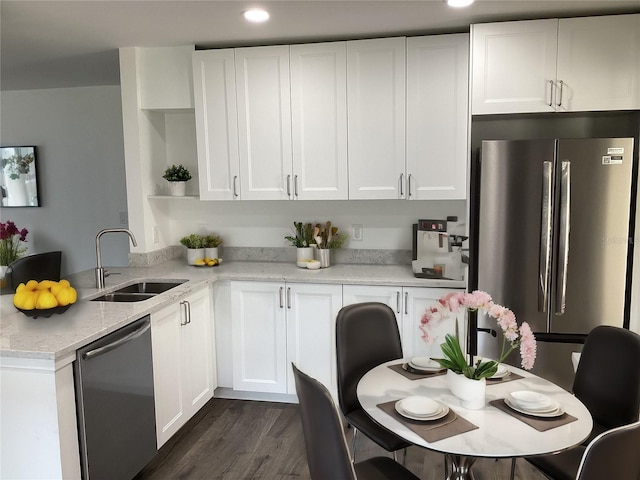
(527, 346)
(477, 300)
(426, 338)
(507, 322)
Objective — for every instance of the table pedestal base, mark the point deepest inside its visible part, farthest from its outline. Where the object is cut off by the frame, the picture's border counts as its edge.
(460, 467)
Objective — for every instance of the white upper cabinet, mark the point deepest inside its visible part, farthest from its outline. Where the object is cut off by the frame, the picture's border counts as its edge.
(376, 120)
(319, 121)
(165, 78)
(437, 117)
(599, 63)
(264, 122)
(574, 64)
(216, 124)
(514, 66)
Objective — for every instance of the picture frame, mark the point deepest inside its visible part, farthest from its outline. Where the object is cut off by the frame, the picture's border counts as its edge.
(19, 177)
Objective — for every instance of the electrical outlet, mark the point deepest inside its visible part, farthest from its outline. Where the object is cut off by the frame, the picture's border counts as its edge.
(356, 232)
(156, 234)
(124, 218)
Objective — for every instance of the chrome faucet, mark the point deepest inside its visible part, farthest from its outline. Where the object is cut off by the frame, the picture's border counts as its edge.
(101, 273)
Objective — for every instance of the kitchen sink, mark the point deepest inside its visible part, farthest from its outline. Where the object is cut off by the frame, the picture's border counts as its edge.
(138, 292)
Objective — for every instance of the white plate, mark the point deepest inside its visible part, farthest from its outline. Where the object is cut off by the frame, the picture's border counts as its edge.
(501, 372)
(555, 412)
(442, 411)
(529, 400)
(424, 362)
(420, 406)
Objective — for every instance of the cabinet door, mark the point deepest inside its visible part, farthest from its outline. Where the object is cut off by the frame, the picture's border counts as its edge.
(319, 121)
(311, 320)
(165, 77)
(259, 337)
(198, 350)
(264, 122)
(437, 116)
(391, 296)
(514, 66)
(416, 301)
(599, 63)
(216, 124)
(376, 118)
(168, 372)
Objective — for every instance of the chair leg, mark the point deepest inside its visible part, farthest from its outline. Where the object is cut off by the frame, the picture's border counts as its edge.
(446, 467)
(513, 469)
(354, 445)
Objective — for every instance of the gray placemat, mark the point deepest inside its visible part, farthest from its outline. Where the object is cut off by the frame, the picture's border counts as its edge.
(432, 431)
(509, 378)
(398, 367)
(542, 424)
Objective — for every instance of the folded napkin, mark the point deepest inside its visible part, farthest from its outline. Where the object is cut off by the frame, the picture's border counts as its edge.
(414, 374)
(432, 431)
(509, 378)
(542, 424)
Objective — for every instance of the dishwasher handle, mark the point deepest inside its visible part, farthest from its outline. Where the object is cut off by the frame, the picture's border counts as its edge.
(121, 341)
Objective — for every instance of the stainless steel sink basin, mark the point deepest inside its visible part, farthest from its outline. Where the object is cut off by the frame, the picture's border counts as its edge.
(138, 292)
(149, 287)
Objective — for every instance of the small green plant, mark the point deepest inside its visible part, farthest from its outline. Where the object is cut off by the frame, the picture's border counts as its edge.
(193, 241)
(212, 241)
(303, 235)
(176, 173)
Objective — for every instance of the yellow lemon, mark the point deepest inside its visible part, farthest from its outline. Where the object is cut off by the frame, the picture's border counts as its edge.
(18, 299)
(20, 287)
(44, 285)
(207, 259)
(64, 283)
(66, 296)
(46, 300)
(56, 287)
(32, 285)
(199, 261)
(29, 302)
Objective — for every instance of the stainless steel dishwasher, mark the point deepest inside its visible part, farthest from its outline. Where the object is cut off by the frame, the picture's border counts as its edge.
(116, 412)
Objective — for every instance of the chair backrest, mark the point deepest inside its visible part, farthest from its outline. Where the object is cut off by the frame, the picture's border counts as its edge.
(40, 266)
(613, 454)
(326, 445)
(366, 336)
(607, 380)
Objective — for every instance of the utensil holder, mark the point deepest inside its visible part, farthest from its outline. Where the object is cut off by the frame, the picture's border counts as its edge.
(324, 255)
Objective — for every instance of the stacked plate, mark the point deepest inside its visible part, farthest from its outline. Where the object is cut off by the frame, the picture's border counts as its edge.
(421, 408)
(501, 372)
(424, 364)
(533, 403)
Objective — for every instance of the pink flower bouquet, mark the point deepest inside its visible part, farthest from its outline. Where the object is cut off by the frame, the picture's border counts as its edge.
(513, 337)
(11, 239)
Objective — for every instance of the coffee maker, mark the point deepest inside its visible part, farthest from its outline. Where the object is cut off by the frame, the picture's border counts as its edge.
(438, 249)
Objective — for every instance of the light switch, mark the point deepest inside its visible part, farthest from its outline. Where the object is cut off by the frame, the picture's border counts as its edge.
(356, 232)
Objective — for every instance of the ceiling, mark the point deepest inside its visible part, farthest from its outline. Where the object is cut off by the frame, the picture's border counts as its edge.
(66, 43)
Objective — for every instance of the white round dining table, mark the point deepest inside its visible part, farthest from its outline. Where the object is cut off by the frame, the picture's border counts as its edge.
(499, 435)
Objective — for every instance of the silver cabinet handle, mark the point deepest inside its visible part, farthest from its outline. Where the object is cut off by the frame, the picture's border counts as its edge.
(295, 185)
(188, 305)
(288, 297)
(289, 186)
(550, 93)
(235, 188)
(545, 237)
(398, 302)
(183, 318)
(563, 244)
(406, 303)
(561, 85)
(112, 346)
(401, 185)
(281, 304)
(409, 186)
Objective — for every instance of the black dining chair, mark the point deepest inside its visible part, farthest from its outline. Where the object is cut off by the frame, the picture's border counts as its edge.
(40, 266)
(326, 444)
(607, 381)
(366, 336)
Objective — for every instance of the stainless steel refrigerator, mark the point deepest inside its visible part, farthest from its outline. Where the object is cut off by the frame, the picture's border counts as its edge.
(553, 224)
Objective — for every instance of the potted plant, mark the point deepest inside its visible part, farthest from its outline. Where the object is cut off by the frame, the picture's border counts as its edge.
(327, 238)
(177, 176)
(11, 247)
(467, 380)
(302, 239)
(195, 247)
(211, 244)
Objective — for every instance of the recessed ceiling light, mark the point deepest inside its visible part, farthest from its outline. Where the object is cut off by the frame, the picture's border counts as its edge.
(459, 3)
(256, 15)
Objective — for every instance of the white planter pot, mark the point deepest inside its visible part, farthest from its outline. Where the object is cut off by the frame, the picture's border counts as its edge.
(178, 189)
(211, 252)
(324, 255)
(17, 191)
(304, 253)
(194, 254)
(472, 393)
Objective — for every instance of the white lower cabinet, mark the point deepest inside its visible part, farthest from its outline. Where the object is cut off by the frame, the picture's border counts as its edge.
(275, 324)
(183, 361)
(409, 304)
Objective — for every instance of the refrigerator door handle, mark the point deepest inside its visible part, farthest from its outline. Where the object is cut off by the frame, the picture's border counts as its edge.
(563, 245)
(545, 237)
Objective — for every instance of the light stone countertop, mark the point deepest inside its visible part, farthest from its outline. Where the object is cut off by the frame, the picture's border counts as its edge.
(59, 336)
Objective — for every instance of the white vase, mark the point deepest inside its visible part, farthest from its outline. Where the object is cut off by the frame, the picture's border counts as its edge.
(194, 254)
(17, 191)
(472, 393)
(211, 252)
(3, 276)
(324, 255)
(178, 189)
(304, 253)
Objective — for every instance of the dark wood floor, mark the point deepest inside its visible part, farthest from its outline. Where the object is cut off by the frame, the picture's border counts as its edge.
(242, 440)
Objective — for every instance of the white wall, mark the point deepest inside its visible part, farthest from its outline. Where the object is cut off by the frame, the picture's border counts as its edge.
(81, 174)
